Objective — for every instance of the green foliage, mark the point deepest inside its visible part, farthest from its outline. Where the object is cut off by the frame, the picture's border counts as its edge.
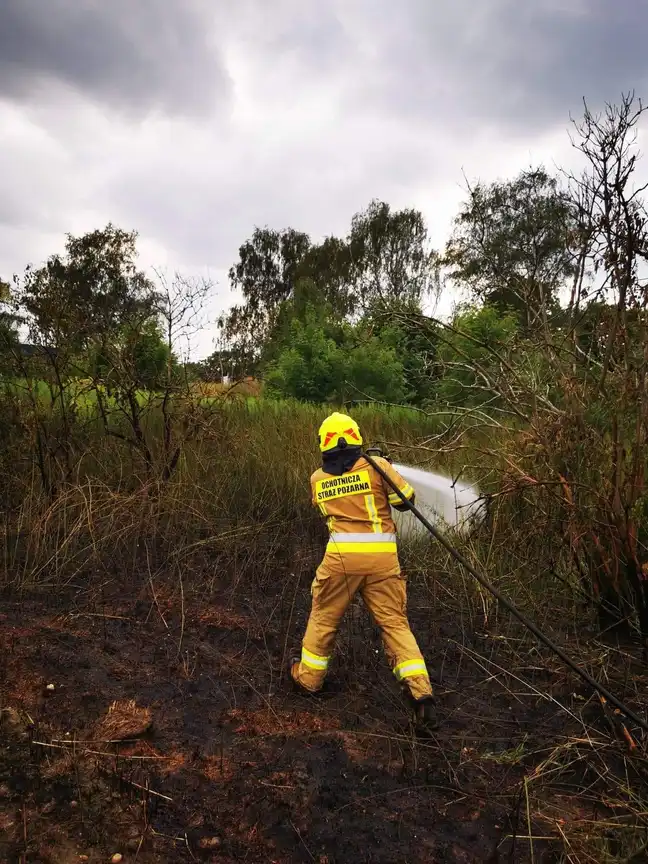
(374, 369)
(138, 359)
(469, 350)
(91, 292)
(385, 260)
(8, 327)
(93, 315)
(325, 363)
(325, 273)
(392, 261)
(513, 244)
(305, 305)
(403, 327)
(311, 369)
(195, 370)
(265, 275)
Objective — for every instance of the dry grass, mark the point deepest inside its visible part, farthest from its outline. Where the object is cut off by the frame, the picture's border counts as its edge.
(124, 720)
(585, 781)
(249, 387)
(222, 554)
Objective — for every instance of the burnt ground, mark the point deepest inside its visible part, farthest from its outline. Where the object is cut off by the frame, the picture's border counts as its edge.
(235, 766)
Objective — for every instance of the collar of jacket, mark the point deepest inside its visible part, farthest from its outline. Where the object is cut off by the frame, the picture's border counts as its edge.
(338, 461)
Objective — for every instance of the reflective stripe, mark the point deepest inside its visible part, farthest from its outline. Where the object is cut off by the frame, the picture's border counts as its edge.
(409, 668)
(361, 548)
(313, 661)
(330, 520)
(407, 491)
(339, 537)
(376, 524)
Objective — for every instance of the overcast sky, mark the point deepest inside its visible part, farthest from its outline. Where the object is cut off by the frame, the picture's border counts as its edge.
(192, 121)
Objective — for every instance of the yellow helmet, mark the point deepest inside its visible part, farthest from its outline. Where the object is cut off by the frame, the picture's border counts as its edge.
(338, 426)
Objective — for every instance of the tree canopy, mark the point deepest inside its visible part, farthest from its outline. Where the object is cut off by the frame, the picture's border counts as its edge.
(513, 244)
(384, 259)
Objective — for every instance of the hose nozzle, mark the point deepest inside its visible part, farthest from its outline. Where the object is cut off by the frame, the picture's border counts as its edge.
(376, 451)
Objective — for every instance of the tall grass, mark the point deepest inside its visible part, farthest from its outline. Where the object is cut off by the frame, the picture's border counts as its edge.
(243, 471)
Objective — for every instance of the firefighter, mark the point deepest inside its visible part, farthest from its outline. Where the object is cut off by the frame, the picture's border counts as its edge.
(361, 555)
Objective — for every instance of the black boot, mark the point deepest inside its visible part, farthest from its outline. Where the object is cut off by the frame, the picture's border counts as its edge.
(327, 690)
(425, 717)
(426, 713)
(293, 659)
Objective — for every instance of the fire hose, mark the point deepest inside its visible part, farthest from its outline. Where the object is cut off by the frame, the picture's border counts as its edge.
(507, 604)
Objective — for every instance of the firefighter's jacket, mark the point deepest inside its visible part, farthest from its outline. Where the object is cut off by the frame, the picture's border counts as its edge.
(357, 507)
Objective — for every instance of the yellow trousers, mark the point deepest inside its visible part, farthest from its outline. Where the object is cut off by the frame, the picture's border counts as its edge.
(385, 596)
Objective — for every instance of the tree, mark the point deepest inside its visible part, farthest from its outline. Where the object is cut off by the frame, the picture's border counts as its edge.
(375, 369)
(92, 291)
(327, 362)
(311, 369)
(139, 359)
(265, 275)
(614, 391)
(575, 456)
(326, 276)
(9, 321)
(305, 302)
(416, 340)
(141, 372)
(222, 363)
(467, 355)
(514, 244)
(391, 260)
(384, 260)
(97, 316)
(78, 306)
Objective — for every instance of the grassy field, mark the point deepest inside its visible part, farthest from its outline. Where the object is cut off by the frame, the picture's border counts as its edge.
(145, 626)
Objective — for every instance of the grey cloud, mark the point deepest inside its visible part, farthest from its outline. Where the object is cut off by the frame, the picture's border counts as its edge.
(406, 79)
(311, 34)
(522, 65)
(203, 216)
(138, 55)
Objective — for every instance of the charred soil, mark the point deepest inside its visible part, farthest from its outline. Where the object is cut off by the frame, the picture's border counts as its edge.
(157, 724)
